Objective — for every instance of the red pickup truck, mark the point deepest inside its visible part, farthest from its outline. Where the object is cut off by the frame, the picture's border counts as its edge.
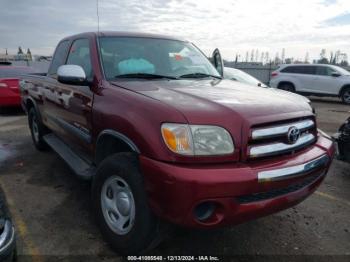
(149, 119)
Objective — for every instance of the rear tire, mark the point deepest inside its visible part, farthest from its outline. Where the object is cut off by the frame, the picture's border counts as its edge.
(345, 95)
(287, 87)
(37, 130)
(121, 207)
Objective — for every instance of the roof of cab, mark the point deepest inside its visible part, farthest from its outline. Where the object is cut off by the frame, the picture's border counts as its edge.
(123, 34)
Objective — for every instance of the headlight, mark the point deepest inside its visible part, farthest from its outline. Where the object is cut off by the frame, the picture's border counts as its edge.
(197, 139)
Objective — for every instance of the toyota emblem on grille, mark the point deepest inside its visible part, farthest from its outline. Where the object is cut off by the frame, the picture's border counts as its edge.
(293, 135)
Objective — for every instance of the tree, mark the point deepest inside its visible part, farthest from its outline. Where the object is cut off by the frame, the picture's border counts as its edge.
(267, 57)
(283, 55)
(337, 57)
(289, 60)
(236, 59)
(252, 56)
(29, 55)
(277, 59)
(323, 59)
(246, 57)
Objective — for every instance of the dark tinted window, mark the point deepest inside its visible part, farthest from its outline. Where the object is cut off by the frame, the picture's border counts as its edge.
(324, 71)
(310, 70)
(79, 54)
(59, 57)
(6, 72)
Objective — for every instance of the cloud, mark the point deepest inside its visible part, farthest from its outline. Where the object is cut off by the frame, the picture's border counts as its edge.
(233, 26)
(343, 19)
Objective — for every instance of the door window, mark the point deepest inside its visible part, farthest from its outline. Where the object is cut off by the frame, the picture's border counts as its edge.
(59, 57)
(324, 71)
(79, 54)
(309, 70)
(305, 70)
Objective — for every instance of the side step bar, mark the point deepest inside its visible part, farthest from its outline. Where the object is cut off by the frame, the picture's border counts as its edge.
(82, 169)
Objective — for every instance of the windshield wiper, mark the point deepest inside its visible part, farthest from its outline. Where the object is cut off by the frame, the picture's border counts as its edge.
(198, 75)
(144, 76)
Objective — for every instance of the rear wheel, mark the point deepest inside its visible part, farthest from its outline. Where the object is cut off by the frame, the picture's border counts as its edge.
(345, 95)
(121, 207)
(37, 130)
(287, 87)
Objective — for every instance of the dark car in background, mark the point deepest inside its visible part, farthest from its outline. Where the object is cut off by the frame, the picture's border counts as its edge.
(9, 84)
(342, 137)
(7, 232)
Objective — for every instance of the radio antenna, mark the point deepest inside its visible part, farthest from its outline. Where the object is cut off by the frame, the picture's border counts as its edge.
(98, 17)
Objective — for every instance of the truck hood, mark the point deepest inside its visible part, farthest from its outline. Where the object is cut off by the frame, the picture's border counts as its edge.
(290, 95)
(205, 96)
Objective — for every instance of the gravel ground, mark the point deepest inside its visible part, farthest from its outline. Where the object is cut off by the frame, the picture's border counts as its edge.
(51, 209)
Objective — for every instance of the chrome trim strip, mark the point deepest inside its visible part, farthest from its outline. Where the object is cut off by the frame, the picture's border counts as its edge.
(278, 148)
(293, 171)
(280, 130)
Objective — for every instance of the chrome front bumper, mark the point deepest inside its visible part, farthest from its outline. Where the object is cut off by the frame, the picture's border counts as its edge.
(293, 171)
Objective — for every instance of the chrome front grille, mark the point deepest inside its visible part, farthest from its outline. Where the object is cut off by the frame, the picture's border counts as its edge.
(282, 138)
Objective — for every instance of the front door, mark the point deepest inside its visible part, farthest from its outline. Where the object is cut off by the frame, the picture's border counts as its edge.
(324, 82)
(74, 103)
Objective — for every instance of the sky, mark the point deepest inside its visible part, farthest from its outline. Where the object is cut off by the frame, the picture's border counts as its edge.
(233, 26)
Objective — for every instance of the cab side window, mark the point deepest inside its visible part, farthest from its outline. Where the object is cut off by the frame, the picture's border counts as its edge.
(59, 57)
(79, 54)
(324, 71)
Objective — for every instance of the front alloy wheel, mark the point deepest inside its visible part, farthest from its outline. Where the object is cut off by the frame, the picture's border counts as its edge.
(118, 205)
(121, 205)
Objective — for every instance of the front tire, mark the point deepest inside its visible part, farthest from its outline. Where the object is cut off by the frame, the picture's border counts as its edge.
(287, 87)
(121, 208)
(345, 95)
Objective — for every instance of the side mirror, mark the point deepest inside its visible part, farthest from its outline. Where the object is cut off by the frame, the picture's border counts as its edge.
(218, 62)
(71, 75)
(336, 74)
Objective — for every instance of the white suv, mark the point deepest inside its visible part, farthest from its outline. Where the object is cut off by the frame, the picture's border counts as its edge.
(321, 80)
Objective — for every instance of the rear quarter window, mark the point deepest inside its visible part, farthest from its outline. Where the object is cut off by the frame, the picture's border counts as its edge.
(306, 70)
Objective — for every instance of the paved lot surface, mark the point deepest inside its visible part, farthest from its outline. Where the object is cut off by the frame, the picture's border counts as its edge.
(51, 208)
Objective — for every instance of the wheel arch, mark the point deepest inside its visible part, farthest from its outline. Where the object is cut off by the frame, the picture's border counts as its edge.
(285, 82)
(343, 88)
(30, 103)
(110, 142)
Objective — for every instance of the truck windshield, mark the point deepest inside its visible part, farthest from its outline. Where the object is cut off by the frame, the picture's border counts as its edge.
(138, 57)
